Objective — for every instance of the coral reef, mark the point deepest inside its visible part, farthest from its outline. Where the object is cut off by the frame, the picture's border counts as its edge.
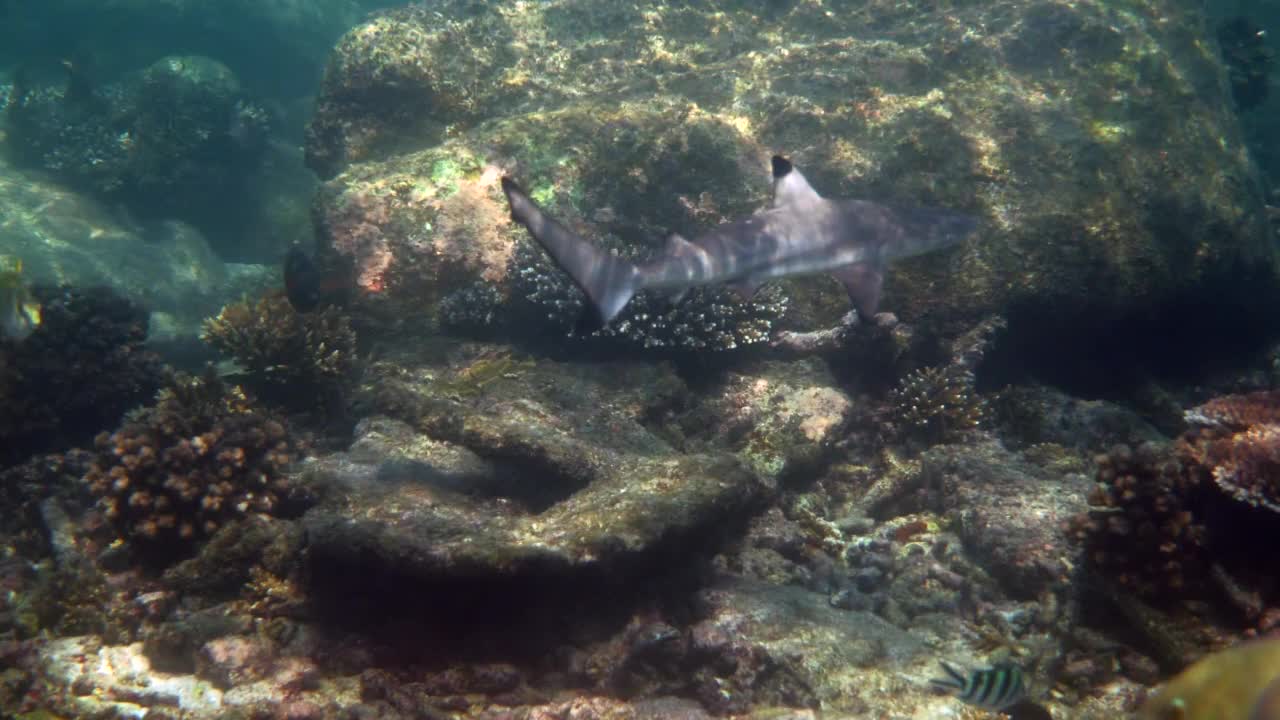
(291, 354)
(1237, 412)
(621, 137)
(78, 372)
(179, 138)
(201, 456)
(937, 404)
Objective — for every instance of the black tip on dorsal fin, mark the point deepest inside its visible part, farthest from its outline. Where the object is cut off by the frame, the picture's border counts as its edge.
(781, 166)
(508, 184)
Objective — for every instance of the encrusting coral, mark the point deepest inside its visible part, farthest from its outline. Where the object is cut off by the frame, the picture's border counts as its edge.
(1239, 447)
(201, 456)
(283, 347)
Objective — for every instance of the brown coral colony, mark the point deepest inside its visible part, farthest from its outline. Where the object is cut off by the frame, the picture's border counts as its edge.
(1165, 515)
(179, 470)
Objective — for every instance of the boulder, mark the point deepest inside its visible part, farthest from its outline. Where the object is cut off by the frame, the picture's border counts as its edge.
(517, 467)
(1100, 148)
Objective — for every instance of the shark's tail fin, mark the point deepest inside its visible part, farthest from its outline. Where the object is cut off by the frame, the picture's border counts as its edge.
(608, 280)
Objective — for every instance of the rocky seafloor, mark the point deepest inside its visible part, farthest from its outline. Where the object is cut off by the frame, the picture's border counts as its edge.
(430, 500)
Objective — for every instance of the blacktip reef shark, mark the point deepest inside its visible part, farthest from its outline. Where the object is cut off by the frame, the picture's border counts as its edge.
(802, 233)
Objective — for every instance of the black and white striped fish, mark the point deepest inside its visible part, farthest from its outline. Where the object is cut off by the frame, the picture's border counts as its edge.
(994, 688)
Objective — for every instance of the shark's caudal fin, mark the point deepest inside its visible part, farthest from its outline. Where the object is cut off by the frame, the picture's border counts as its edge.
(608, 280)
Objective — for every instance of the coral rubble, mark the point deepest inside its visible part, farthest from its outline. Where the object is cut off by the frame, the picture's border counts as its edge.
(178, 470)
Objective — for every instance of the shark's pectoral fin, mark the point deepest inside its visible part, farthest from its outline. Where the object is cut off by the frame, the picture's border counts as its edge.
(789, 186)
(746, 288)
(863, 282)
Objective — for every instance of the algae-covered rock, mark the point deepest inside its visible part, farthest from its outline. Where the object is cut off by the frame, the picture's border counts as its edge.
(1012, 514)
(784, 646)
(781, 418)
(527, 465)
(1099, 145)
(62, 237)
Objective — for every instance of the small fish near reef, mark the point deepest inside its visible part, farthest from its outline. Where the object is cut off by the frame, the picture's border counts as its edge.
(801, 233)
(996, 688)
(1240, 683)
(19, 311)
(309, 285)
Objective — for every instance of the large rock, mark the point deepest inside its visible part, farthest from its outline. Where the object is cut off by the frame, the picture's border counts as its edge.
(1100, 146)
(785, 646)
(1012, 514)
(62, 237)
(515, 467)
(782, 418)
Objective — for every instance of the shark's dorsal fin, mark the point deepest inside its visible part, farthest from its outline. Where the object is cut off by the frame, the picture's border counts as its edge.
(863, 282)
(789, 186)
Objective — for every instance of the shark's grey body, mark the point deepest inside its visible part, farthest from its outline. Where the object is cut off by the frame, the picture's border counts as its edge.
(802, 233)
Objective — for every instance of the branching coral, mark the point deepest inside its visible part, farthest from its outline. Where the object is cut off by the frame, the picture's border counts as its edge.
(938, 404)
(283, 347)
(1144, 531)
(79, 372)
(1172, 521)
(201, 456)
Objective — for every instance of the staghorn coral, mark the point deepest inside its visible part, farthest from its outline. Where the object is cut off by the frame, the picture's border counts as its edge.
(937, 404)
(201, 456)
(77, 373)
(282, 347)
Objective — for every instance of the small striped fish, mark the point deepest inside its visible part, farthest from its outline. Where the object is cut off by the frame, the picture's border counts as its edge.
(995, 688)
